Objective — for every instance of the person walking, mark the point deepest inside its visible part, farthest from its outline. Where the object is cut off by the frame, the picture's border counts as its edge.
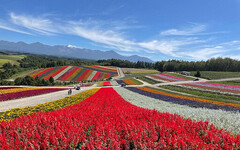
(70, 91)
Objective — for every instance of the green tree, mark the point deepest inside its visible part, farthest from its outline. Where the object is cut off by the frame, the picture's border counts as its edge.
(51, 80)
(198, 74)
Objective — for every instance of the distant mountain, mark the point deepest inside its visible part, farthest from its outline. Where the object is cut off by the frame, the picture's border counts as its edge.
(67, 51)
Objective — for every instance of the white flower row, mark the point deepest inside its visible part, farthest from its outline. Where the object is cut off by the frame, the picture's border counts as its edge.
(229, 121)
(62, 72)
(114, 83)
(91, 75)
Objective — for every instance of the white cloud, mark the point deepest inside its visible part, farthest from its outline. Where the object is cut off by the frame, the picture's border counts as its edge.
(194, 29)
(41, 25)
(7, 27)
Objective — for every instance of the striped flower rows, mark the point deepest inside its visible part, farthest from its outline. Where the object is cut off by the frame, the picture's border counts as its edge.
(214, 86)
(106, 121)
(227, 120)
(74, 73)
(15, 93)
(113, 69)
(185, 100)
(165, 78)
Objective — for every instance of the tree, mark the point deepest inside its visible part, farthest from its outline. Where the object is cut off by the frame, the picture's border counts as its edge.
(197, 74)
(51, 80)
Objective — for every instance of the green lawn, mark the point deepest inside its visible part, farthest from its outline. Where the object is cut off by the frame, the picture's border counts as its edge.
(136, 81)
(216, 75)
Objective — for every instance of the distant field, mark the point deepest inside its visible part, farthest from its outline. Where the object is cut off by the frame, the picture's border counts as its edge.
(179, 75)
(3, 61)
(138, 71)
(217, 75)
(235, 82)
(10, 58)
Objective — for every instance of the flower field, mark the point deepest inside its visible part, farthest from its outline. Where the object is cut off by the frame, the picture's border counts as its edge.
(165, 78)
(108, 83)
(185, 100)
(130, 81)
(106, 121)
(76, 73)
(227, 120)
(215, 86)
(15, 93)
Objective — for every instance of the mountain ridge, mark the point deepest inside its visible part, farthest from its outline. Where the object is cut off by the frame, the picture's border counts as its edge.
(67, 51)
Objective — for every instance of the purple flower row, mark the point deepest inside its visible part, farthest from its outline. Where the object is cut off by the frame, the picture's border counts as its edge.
(190, 103)
(22, 94)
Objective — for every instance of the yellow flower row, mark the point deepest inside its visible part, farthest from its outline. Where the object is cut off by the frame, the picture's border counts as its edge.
(14, 90)
(50, 106)
(100, 84)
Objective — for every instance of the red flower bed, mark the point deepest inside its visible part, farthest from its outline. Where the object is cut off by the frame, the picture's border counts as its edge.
(108, 75)
(106, 83)
(106, 121)
(10, 96)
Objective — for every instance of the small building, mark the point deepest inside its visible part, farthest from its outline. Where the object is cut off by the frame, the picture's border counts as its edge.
(185, 73)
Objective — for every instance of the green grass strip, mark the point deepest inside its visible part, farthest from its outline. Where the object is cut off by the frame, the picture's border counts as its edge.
(46, 107)
(136, 81)
(148, 80)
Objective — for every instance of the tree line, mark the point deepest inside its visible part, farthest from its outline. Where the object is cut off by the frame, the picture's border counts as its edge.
(213, 64)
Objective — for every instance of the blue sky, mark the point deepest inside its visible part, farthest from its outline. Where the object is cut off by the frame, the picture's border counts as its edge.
(157, 29)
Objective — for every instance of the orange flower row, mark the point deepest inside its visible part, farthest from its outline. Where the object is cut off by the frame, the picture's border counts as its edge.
(189, 98)
(129, 82)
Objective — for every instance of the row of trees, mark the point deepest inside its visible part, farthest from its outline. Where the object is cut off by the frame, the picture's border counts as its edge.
(27, 80)
(213, 64)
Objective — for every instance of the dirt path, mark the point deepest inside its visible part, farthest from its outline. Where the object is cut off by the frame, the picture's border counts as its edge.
(39, 99)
